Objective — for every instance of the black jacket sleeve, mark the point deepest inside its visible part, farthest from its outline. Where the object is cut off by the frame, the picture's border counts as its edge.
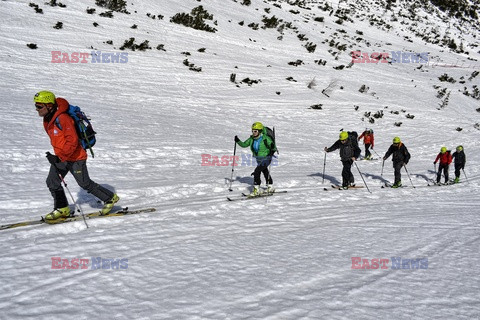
(356, 151)
(407, 155)
(335, 146)
(389, 152)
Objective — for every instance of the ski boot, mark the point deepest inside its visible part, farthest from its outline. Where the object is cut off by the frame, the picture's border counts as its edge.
(109, 205)
(255, 192)
(397, 185)
(58, 214)
(457, 180)
(270, 188)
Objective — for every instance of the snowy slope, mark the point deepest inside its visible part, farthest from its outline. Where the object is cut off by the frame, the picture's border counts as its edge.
(202, 257)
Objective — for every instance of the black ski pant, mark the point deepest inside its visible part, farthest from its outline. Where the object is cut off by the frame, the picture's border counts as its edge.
(262, 167)
(444, 168)
(397, 168)
(347, 175)
(368, 154)
(457, 170)
(79, 171)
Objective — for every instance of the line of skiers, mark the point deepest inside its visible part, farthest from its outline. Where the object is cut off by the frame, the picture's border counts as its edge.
(349, 152)
(263, 148)
(445, 158)
(69, 156)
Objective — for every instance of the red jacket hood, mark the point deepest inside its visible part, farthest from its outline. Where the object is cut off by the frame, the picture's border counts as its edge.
(62, 107)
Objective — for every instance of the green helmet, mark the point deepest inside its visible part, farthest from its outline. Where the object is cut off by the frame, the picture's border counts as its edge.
(459, 148)
(443, 150)
(343, 135)
(44, 97)
(396, 140)
(257, 126)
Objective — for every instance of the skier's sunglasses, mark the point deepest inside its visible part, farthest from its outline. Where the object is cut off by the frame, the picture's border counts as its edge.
(40, 106)
(255, 130)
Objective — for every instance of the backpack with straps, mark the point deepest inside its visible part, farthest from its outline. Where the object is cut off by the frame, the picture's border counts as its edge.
(83, 127)
(270, 133)
(354, 137)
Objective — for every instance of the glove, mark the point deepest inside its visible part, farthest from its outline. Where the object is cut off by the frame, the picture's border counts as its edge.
(237, 139)
(434, 162)
(52, 158)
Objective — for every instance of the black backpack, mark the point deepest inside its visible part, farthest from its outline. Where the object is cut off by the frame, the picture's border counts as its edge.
(353, 134)
(271, 133)
(353, 137)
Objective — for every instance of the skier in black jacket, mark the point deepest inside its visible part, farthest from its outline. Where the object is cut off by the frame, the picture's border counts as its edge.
(349, 152)
(460, 160)
(400, 158)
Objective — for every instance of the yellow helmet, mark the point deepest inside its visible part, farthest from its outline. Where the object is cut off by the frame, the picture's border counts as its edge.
(459, 148)
(396, 140)
(343, 135)
(257, 126)
(443, 150)
(44, 97)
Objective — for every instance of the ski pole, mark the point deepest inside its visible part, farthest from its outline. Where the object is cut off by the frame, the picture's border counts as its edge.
(361, 175)
(408, 174)
(383, 164)
(376, 152)
(73, 199)
(233, 167)
(324, 164)
(77, 206)
(465, 175)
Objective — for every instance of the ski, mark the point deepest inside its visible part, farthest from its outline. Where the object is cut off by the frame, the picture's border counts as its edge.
(88, 216)
(389, 185)
(261, 195)
(435, 184)
(337, 187)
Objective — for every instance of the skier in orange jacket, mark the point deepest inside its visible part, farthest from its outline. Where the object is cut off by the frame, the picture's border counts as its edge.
(368, 141)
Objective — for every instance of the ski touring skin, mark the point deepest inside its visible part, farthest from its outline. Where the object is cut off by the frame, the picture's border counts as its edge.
(440, 184)
(261, 195)
(93, 215)
(390, 185)
(338, 187)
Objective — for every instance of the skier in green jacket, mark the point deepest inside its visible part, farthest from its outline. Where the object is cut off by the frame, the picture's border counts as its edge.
(263, 148)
